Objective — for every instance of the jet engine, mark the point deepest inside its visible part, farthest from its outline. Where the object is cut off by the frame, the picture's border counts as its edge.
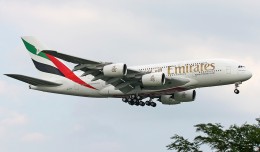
(153, 79)
(185, 96)
(167, 99)
(115, 70)
(178, 97)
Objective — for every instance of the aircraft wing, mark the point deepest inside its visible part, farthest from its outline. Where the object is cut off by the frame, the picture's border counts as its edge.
(126, 84)
(33, 81)
(177, 81)
(70, 58)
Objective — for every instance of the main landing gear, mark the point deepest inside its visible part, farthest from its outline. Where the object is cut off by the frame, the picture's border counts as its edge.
(137, 101)
(150, 103)
(236, 91)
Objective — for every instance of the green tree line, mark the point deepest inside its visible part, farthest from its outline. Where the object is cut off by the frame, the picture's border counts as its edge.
(244, 138)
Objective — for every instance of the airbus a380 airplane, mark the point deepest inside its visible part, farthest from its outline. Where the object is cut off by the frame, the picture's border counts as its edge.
(170, 83)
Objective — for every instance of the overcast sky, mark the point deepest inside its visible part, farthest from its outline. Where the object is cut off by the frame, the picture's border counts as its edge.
(134, 32)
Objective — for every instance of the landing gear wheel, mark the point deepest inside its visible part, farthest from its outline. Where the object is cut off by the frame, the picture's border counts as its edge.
(132, 96)
(236, 91)
(131, 102)
(124, 99)
(137, 103)
(153, 104)
(142, 103)
(135, 100)
(236, 86)
(148, 103)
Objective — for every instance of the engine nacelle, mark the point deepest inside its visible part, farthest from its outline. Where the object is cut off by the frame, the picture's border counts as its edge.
(185, 96)
(153, 79)
(178, 97)
(167, 99)
(115, 70)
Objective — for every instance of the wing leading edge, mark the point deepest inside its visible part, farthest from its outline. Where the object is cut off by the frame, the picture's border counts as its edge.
(33, 81)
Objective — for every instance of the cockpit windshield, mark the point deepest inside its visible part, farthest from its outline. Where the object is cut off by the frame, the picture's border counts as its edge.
(241, 66)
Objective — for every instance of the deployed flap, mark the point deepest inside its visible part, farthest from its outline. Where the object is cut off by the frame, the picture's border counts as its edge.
(33, 81)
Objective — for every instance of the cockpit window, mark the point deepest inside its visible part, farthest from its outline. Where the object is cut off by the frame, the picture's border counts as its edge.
(241, 66)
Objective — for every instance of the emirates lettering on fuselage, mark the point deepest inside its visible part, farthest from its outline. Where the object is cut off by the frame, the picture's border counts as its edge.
(190, 68)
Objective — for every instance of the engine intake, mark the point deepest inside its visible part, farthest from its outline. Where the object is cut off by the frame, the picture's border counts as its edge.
(153, 79)
(115, 70)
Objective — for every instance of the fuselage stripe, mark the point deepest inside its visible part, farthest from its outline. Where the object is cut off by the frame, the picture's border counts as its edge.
(67, 72)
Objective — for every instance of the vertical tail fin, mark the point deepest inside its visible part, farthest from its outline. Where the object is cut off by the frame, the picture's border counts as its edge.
(49, 64)
(40, 59)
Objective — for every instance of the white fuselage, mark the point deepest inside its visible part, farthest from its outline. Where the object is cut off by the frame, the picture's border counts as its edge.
(201, 73)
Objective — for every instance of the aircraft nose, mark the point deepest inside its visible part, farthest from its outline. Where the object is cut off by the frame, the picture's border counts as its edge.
(249, 74)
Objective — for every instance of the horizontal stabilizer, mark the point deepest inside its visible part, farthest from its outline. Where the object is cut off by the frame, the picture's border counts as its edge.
(33, 81)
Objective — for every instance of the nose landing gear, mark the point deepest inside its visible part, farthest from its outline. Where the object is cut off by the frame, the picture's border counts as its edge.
(236, 91)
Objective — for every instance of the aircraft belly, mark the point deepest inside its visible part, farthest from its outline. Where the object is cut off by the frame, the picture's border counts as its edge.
(110, 91)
